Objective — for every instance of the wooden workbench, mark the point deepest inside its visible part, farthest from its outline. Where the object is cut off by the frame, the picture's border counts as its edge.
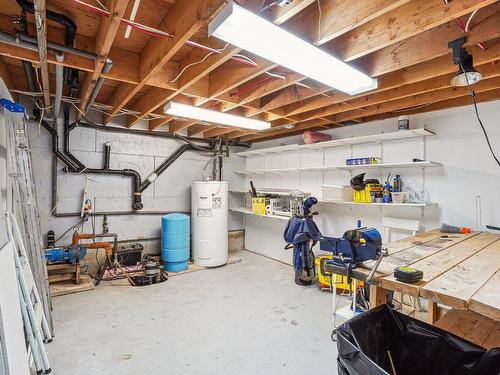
(461, 271)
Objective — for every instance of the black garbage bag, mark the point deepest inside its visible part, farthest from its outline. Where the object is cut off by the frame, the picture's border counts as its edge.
(368, 342)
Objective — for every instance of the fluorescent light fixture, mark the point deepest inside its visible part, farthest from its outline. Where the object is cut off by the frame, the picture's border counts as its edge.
(202, 114)
(244, 29)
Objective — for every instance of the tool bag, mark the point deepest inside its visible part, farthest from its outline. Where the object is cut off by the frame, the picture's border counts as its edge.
(299, 233)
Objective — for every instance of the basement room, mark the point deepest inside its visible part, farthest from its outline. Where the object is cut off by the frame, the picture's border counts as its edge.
(265, 187)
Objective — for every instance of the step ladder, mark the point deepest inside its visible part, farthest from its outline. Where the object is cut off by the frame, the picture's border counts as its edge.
(24, 198)
(35, 323)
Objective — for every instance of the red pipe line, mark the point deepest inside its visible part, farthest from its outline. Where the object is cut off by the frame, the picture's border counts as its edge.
(252, 86)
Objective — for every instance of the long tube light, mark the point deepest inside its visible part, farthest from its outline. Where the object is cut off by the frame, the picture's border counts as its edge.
(244, 29)
(202, 114)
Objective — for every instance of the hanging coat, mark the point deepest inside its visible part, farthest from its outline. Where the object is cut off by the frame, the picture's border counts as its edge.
(298, 233)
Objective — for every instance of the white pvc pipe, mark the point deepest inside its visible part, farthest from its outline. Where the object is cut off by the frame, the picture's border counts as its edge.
(133, 13)
(59, 85)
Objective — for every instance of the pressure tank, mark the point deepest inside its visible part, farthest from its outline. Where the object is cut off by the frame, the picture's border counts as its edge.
(209, 223)
(175, 241)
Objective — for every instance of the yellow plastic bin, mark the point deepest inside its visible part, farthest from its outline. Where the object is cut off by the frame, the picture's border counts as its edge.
(325, 279)
(259, 206)
(364, 196)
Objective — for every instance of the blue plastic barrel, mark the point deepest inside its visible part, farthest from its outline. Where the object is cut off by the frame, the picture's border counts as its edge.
(175, 241)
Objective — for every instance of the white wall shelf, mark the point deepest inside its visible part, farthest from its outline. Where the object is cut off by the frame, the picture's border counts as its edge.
(343, 142)
(419, 164)
(382, 204)
(248, 211)
(282, 192)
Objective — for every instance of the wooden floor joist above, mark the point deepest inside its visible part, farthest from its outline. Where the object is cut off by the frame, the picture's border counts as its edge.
(168, 55)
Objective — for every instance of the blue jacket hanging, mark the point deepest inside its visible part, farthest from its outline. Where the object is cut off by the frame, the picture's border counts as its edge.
(299, 232)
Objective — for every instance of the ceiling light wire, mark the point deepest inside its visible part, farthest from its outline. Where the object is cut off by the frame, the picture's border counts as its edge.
(469, 20)
(473, 97)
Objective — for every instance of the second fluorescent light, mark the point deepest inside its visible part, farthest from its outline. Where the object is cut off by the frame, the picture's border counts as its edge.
(246, 30)
(202, 114)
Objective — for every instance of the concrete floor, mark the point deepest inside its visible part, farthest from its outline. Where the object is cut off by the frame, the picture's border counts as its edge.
(245, 318)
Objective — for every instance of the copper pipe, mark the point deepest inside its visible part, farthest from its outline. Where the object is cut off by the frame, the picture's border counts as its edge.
(93, 245)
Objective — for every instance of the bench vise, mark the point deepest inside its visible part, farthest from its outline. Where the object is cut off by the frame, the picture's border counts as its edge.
(354, 247)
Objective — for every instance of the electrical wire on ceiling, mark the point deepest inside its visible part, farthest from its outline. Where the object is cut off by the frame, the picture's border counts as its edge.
(469, 20)
(197, 62)
(102, 108)
(274, 75)
(264, 7)
(152, 31)
(310, 88)
(162, 34)
(465, 28)
(473, 97)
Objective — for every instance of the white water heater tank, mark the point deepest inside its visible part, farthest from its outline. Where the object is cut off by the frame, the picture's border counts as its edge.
(209, 223)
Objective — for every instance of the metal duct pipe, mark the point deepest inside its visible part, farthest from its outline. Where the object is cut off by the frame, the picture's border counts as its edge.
(28, 42)
(105, 70)
(69, 25)
(30, 75)
(107, 156)
(59, 86)
(67, 129)
(163, 166)
(55, 147)
(56, 17)
(158, 134)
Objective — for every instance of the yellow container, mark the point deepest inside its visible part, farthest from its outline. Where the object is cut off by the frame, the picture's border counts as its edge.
(259, 206)
(325, 279)
(364, 196)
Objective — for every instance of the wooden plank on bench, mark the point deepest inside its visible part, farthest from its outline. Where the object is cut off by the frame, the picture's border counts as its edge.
(471, 326)
(493, 339)
(459, 322)
(456, 287)
(418, 239)
(486, 301)
(440, 262)
(416, 253)
(479, 333)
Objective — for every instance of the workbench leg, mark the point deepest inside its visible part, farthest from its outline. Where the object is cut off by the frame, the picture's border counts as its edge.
(378, 296)
(433, 312)
(77, 273)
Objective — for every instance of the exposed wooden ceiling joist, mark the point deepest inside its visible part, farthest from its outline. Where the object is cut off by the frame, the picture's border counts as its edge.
(198, 64)
(401, 42)
(402, 23)
(41, 34)
(185, 19)
(103, 41)
(406, 102)
(426, 70)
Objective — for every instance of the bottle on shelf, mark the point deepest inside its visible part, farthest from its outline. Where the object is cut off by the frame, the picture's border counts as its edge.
(398, 184)
(387, 190)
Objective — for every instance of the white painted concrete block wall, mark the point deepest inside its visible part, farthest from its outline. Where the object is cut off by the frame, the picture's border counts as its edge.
(170, 192)
(468, 171)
